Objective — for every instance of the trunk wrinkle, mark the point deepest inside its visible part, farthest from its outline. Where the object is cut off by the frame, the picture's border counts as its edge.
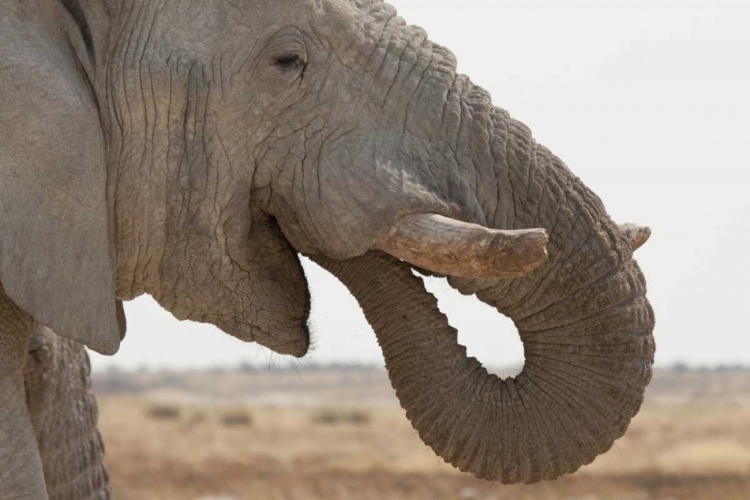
(568, 405)
(525, 328)
(575, 399)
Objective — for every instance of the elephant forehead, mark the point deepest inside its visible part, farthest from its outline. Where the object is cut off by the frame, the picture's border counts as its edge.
(354, 30)
(200, 29)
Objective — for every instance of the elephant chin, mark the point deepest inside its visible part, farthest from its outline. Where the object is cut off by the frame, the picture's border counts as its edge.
(296, 346)
(576, 394)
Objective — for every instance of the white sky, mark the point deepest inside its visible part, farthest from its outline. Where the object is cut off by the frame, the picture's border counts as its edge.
(647, 101)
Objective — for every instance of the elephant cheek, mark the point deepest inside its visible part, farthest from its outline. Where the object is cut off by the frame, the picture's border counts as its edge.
(248, 282)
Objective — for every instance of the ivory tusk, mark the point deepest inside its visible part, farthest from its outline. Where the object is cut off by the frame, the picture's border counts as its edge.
(451, 247)
(636, 234)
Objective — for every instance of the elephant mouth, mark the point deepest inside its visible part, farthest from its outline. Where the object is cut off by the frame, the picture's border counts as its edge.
(439, 245)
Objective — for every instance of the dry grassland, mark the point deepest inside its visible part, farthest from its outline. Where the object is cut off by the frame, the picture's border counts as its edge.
(340, 435)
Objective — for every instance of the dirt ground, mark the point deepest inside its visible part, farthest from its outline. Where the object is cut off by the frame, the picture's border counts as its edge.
(336, 434)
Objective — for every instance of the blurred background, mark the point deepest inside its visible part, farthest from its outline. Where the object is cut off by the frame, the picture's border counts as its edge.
(647, 102)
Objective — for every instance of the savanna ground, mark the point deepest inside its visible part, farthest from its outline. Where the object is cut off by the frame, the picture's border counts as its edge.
(340, 434)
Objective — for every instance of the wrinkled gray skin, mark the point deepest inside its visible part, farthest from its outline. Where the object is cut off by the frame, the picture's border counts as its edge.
(189, 149)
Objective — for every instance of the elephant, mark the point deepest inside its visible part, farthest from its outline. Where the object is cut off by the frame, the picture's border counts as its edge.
(192, 150)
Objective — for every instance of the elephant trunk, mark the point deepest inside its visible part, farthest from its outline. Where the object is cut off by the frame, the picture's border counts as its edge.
(64, 414)
(583, 317)
(574, 398)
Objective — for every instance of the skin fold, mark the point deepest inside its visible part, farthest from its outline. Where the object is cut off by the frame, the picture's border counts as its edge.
(190, 150)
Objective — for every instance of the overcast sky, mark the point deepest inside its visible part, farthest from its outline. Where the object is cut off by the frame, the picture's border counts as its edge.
(647, 101)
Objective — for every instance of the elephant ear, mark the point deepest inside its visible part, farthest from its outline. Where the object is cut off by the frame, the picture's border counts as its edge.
(56, 249)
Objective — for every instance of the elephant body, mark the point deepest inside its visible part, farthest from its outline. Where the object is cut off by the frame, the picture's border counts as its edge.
(190, 150)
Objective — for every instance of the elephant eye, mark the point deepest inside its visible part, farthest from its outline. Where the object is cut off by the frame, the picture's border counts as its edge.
(288, 61)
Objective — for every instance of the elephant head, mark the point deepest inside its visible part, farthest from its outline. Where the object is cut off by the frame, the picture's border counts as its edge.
(192, 149)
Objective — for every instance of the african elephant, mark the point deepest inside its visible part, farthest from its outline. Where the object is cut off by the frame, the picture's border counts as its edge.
(191, 149)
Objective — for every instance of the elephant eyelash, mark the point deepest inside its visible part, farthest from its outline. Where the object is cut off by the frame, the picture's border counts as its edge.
(288, 61)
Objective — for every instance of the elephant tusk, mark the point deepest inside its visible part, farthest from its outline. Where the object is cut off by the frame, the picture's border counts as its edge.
(451, 247)
(636, 234)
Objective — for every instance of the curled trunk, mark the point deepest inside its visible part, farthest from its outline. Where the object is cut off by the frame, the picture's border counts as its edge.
(588, 361)
(64, 414)
(583, 316)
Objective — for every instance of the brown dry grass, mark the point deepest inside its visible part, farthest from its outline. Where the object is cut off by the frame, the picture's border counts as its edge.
(675, 449)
